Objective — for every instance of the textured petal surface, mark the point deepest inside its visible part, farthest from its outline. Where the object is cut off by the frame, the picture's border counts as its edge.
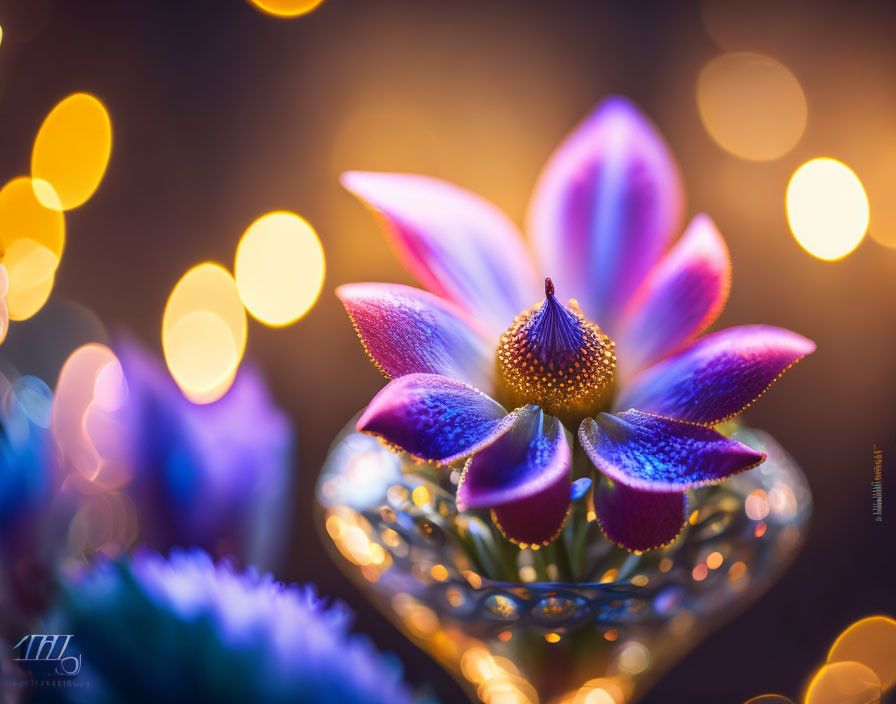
(639, 520)
(537, 519)
(648, 452)
(406, 331)
(434, 418)
(605, 208)
(457, 244)
(525, 461)
(679, 299)
(718, 375)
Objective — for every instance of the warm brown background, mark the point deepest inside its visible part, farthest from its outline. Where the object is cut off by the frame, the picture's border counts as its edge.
(221, 113)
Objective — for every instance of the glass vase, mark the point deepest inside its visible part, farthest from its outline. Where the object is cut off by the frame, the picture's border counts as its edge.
(580, 621)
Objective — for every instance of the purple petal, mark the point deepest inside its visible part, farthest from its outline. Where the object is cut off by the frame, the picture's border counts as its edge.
(639, 520)
(537, 519)
(652, 453)
(679, 299)
(459, 246)
(718, 375)
(605, 208)
(405, 331)
(434, 418)
(524, 461)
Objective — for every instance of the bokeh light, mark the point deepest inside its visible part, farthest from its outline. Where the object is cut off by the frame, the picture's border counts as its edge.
(751, 105)
(71, 150)
(286, 8)
(872, 642)
(23, 214)
(4, 311)
(90, 388)
(827, 208)
(844, 683)
(279, 268)
(204, 332)
(31, 269)
(769, 699)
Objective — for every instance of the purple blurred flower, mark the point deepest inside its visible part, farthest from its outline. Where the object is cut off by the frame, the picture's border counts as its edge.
(215, 476)
(185, 630)
(602, 218)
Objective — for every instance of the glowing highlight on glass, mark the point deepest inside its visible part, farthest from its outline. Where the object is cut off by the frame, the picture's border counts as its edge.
(872, 642)
(286, 8)
(204, 332)
(751, 105)
(72, 148)
(827, 208)
(279, 268)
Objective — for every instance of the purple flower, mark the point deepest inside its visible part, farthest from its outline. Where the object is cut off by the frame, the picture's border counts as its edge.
(186, 629)
(621, 364)
(213, 475)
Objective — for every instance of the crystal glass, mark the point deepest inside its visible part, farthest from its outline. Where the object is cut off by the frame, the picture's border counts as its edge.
(579, 621)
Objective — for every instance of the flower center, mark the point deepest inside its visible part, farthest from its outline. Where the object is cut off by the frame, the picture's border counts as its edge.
(556, 358)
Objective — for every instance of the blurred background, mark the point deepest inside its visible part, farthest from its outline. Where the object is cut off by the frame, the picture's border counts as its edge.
(222, 113)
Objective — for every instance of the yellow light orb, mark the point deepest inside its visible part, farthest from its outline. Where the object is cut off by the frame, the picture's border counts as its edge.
(827, 208)
(202, 355)
(844, 683)
(751, 105)
(204, 332)
(71, 150)
(286, 8)
(23, 214)
(4, 311)
(31, 269)
(279, 268)
(872, 642)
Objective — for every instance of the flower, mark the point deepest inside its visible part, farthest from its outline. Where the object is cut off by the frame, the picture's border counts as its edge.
(186, 629)
(213, 475)
(143, 457)
(621, 366)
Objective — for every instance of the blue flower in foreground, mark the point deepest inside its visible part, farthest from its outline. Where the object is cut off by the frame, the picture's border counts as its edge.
(186, 629)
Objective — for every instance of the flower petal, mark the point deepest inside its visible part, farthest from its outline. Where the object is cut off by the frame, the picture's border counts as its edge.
(531, 456)
(459, 245)
(536, 519)
(405, 331)
(605, 208)
(639, 520)
(681, 297)
(434, 418)
(718, 375)
(652, 453)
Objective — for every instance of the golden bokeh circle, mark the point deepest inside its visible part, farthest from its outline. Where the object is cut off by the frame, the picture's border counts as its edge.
(751, 105)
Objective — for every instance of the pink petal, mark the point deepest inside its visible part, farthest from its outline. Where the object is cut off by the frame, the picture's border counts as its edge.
(718, 375)
(639, 520)
(458, 245)
(524, 461)
(405, 331)
(434, 418)
(679, 299)
(604, 209)
(653, 453)
(536, 519)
